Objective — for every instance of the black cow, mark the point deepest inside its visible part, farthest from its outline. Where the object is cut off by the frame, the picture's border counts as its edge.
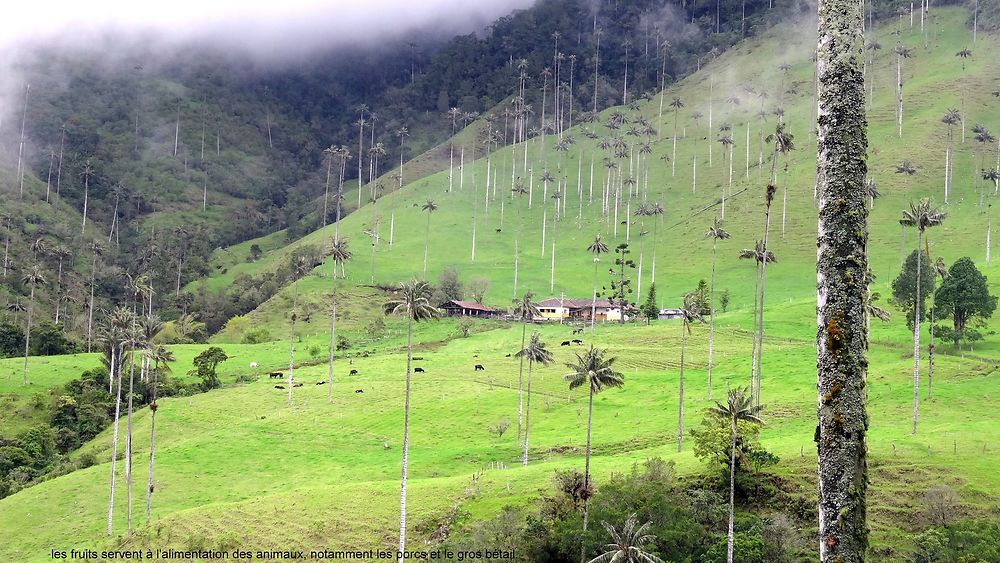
(417, 358)
(275, 375)
(359, 390)
(577, 331)
(418, 370)
(297, 385)
(507, 356)
(353, 372)
(479, 367)
(498, 230)
(577, 341)
(320, 383)
(565, 343)
(279, 386)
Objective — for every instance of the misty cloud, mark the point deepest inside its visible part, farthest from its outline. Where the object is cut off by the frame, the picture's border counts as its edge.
(265, 28)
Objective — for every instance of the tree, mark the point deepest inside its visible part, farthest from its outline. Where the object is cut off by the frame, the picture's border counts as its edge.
(429, 207)
(964, 297)
(161, 357)
(339, 255)
(724, 299)
(114, 337)
(629, 544)
(526, 310)
(536, 352)
(904, 287)
(86, 174)
(951, 118)
(841, 336)
(596, 248)
(739, 407)
(716, 233)
(760, 256)
(412, 300)
(621, 285)
(205, 364)
(596, 370)
(650, 310)
(901, 53)
(33, 277)
(921, 216)
(677, 104)
(694, 310)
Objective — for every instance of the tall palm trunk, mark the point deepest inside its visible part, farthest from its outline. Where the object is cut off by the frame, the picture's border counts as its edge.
(841, 338)
(128, 436)
(333, 332)
(152, 442)
(680, 392)
(427, 240)
(916, 339)
(711, 317)
(731, 536)
(114, 436)
(593, 305)
(27, 332)
(406, 436)
(760, 309)
(90, 308)
(527, 414)
(520, 383)
(586, 476)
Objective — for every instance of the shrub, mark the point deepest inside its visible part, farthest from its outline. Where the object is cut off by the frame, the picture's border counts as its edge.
(257, 335)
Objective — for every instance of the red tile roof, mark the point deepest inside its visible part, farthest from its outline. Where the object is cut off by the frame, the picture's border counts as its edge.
(471, 305)
(573, 303)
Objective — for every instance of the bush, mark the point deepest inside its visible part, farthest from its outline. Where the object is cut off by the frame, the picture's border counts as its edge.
(257, 335)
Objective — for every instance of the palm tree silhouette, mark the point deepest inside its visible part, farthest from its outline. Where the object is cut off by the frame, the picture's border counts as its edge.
(526, 310)
(536, 352)
(739, 407)
(339, 255)
(690, 313)
(33, 277)
(951, 118)
(160, 357)
(429, 207)
(901, 53)
(760, 256)
(629, 544)
(595, 370)
(86, 174)
(412, 300)
(716, 233)
(922, 216)
(677, 104)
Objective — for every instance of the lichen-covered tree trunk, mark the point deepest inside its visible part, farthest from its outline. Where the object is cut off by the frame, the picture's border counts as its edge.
(841, 274)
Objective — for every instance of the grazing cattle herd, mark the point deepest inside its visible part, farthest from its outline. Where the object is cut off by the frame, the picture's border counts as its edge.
(417, 369)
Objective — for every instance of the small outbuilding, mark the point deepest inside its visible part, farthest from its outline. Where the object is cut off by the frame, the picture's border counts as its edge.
(670, 314)
(458, 308)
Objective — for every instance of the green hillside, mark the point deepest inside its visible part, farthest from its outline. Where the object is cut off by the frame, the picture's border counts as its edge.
(239, 466)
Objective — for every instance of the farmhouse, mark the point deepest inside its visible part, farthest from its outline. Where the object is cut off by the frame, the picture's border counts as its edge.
(562, 308)
(456, 308)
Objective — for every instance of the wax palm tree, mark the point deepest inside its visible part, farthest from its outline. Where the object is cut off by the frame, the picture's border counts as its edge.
(716, 233)
(941, 271)
(739, 407)
(536, 352)
(760, 256)
(454, 114)
(329, 155)
(596, 370)
(596, 248)
(86, 174)
(656, 211)
(96, 250)
(33, 277)
(922, 216)
(526, 310)
(160, 357)
(951, 118)
(985, 140)
(901, 53)
(784, 143)
(115, 335)
(300, 266)
(411, 300)
(429, 207)
(677, 104)
(339, 255)
(629, 544)
(691, 313)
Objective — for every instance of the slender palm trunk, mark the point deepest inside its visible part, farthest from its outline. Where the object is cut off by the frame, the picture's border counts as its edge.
(406, 436)
(152, 442)
(711, 317)
(90, 311)
(333, 344)
(731, 536)
(527, 414)
(916, 339)
(427, 240)
(128, 437)
(680, 393)
(520, 383)
(27, 332)
(114, 436)
(586, 474)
